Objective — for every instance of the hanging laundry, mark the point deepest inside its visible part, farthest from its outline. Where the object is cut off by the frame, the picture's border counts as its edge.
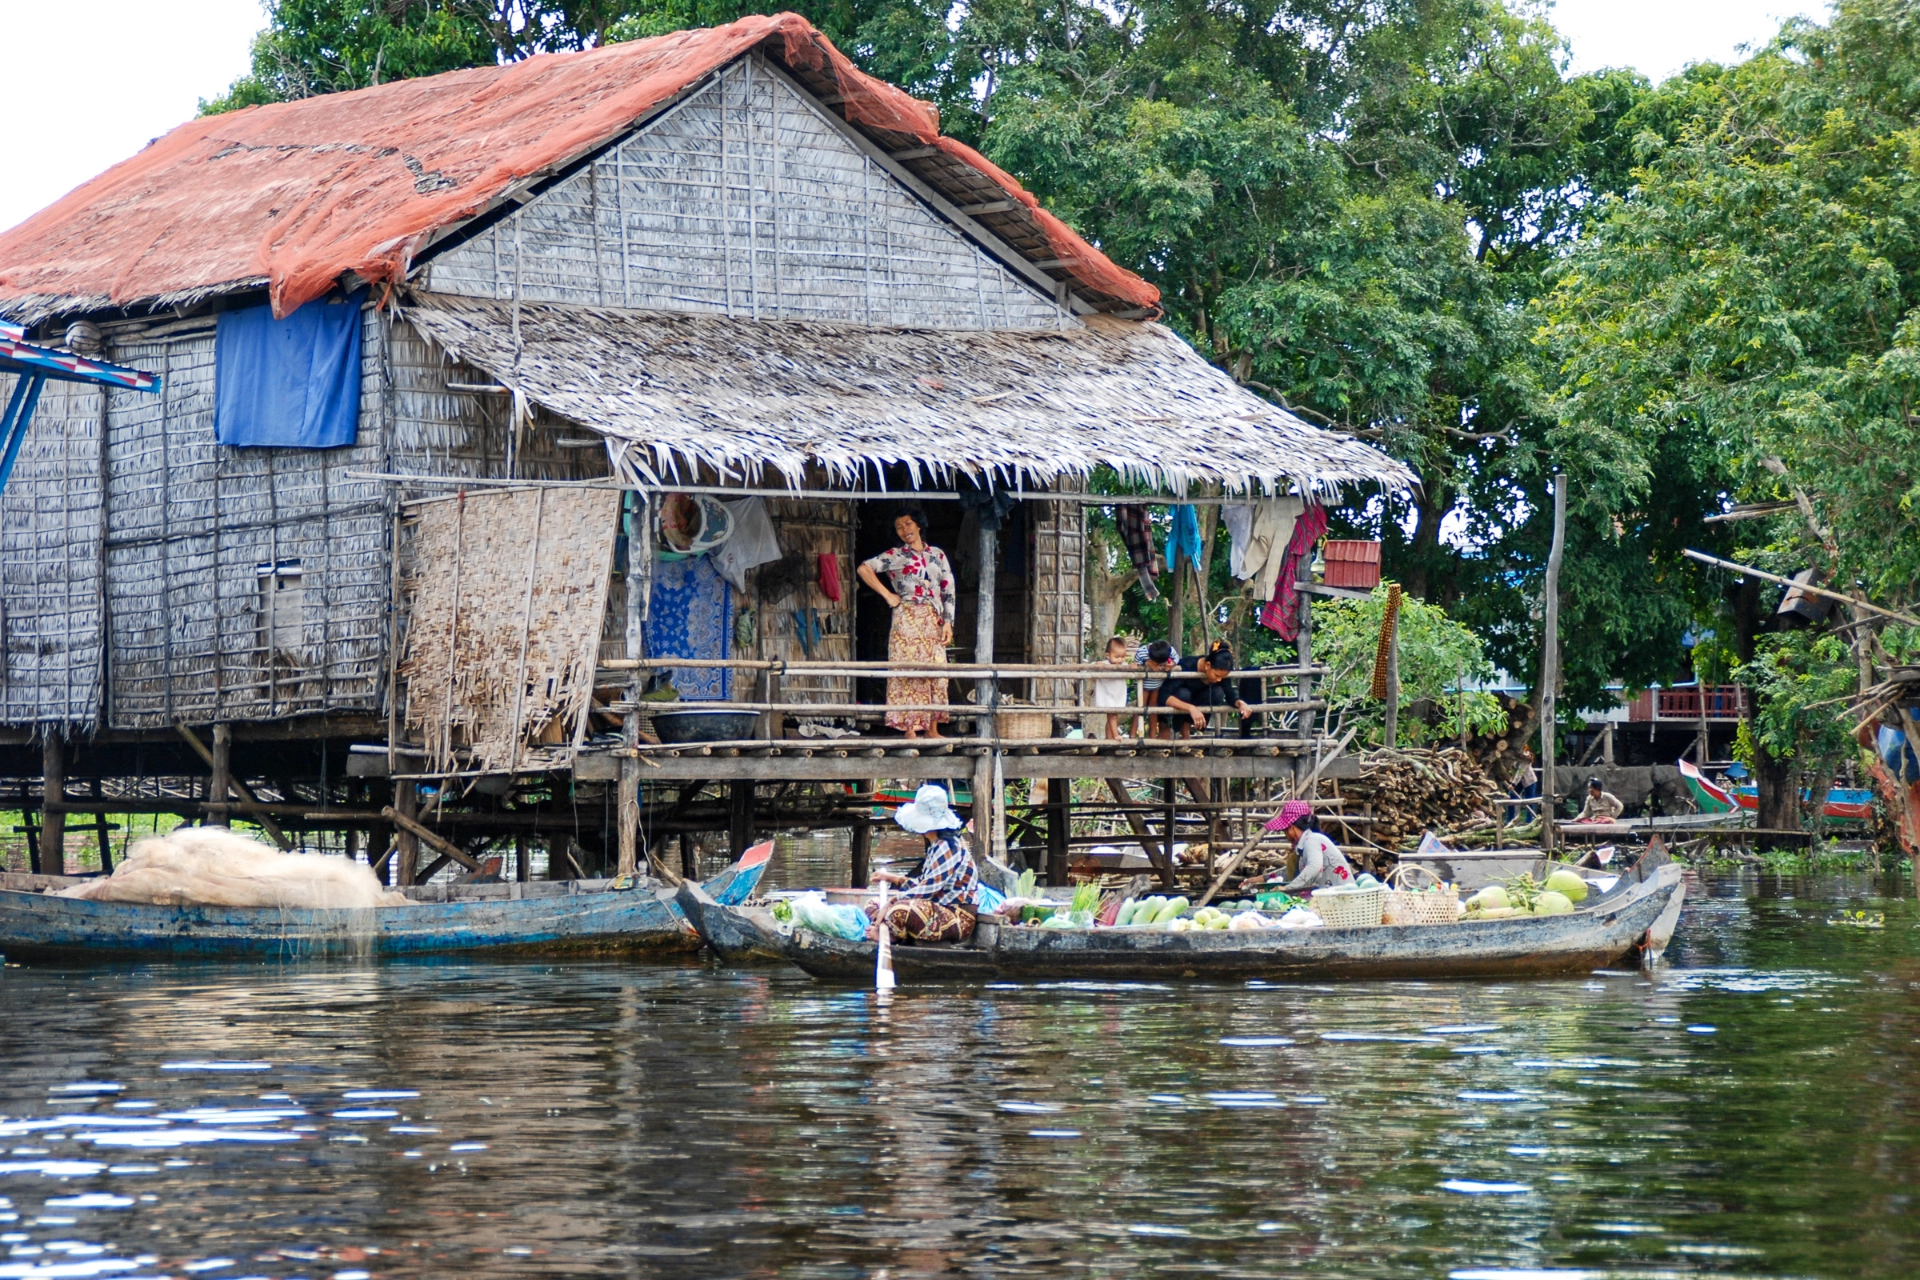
(692, 617)
(1238, 518)
(1262, 549)
(1184, 540)
(1135, 531)
(1281, 613)
(829, 578)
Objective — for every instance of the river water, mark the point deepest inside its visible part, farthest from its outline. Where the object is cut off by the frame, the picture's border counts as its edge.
(1749, 1111)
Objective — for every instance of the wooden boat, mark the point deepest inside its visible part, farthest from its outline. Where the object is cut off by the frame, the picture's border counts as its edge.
(1633, 920)
(579, 916)
(1845, 803)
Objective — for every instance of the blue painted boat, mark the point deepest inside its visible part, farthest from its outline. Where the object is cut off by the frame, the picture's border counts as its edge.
(546, 917)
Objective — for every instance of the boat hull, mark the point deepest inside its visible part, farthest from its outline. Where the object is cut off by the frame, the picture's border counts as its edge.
(1606, 933)
(36, 926)
(735, 935)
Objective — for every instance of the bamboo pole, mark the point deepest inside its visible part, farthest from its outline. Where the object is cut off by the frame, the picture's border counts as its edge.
(433, 839)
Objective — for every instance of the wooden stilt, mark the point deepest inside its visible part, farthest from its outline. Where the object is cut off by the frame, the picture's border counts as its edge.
(861, 839)
(629, 815)
(1059, 827)
(1162, 859)
(522, 858)
(739, 817)
(220, 784)
(53, 825)
(689, 861)
(406, 805)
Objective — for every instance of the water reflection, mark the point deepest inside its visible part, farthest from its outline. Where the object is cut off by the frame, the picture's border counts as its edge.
(415, 1120)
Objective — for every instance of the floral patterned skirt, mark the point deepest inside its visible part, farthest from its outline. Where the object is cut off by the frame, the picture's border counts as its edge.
(916, 638)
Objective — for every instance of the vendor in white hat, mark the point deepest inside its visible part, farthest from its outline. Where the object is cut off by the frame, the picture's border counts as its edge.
(935, 904)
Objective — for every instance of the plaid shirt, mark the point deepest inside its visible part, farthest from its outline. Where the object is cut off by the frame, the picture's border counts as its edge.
(947, 877)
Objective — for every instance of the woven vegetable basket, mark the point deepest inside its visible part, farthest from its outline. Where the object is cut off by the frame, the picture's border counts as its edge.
(1348, 908)
(1415, 895)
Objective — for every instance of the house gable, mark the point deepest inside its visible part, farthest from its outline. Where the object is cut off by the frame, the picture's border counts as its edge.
(748, 200)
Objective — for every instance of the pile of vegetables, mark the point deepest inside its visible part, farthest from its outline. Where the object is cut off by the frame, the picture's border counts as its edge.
(1079, 914)
(1522, 895)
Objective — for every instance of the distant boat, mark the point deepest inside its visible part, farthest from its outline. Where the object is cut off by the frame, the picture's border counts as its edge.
(538, 918)
(1842, 802)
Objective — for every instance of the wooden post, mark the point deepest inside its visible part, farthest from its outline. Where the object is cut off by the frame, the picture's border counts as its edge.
(639, 585)
(220, 785)
(53, 788)
(1303, 646)
(861, 840)
(522, 858)
(629, 816)
(689, 861)
(740, 816)
(406, 808)
(1550, 666)
(1606, 747)
(1059, 827)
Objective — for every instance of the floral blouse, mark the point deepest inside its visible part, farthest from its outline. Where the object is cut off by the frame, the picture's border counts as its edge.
(918, 577)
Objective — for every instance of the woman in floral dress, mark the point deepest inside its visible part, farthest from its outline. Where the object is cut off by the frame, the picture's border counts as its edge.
(922, 602)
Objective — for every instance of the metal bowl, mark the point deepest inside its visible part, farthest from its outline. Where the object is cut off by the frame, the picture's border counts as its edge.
(705, 726)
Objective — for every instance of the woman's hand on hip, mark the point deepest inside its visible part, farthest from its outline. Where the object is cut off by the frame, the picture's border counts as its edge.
(946, 633)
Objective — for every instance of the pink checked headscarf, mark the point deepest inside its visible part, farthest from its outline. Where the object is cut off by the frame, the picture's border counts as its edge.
(1290, 812)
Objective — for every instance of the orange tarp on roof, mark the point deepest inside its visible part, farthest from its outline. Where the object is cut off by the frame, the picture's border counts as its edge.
(301, 193)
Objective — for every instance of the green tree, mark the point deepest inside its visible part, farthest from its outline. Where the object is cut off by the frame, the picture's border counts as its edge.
(1438, 659)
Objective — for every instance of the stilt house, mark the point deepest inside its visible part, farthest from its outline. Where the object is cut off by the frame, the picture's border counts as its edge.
(433, 355)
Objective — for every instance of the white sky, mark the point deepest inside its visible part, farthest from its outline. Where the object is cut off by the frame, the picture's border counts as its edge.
(89, 82)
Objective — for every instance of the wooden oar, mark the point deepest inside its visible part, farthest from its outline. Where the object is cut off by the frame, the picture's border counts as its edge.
(883, 954)
(1233, 863)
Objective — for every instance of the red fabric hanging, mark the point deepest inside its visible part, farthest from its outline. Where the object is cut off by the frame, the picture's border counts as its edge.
(1282, 613)
(830, 576)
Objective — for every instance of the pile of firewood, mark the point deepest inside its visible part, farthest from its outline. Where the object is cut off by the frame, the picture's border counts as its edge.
(1414, 790)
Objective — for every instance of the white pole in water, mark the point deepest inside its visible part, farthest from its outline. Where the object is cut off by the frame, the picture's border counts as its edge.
(883, 954)
(1550, 666)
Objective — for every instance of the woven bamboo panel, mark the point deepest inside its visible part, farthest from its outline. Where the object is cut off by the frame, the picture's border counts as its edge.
(504, 592)
(195, 531)
(50, 571)
(1054, 630)
(747, 201)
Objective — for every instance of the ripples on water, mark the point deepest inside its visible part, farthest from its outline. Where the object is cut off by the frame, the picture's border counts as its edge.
(1748, 1113)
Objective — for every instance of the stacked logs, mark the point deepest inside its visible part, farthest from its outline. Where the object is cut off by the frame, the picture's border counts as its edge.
(1414, 790)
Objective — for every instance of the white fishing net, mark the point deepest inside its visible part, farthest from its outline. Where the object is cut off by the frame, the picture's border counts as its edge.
(211, 866)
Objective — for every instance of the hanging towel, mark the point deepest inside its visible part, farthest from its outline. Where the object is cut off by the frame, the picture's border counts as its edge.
(1131, 519)
(1281, 613)
(752, 541)
(294, 383)
(1184, 540)
(830, 576)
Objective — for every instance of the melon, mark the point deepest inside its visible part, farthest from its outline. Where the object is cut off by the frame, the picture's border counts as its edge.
(1567, 882)
(1552, 903)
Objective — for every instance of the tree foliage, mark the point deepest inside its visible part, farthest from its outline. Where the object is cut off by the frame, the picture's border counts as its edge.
(1439, 661)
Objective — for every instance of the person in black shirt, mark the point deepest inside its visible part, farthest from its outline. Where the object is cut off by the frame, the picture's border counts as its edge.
(1207, 687)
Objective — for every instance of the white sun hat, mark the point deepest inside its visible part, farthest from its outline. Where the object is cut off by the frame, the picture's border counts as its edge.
(929, 811)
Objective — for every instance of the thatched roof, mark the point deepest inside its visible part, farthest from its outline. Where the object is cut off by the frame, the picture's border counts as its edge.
(299, 195)
(674, 390)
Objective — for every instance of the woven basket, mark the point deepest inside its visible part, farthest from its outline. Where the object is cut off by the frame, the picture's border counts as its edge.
(1348, 908)
(1438, 905)
(1013, 722)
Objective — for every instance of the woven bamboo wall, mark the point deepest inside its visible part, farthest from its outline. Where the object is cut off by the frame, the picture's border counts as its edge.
(191, 526)
(809, 529)
(1059, 560)
(744, 200)
(50, 564)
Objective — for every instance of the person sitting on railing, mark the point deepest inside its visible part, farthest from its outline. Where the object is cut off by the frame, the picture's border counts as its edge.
(935, 903)
(1206, 687)
(1602, 805)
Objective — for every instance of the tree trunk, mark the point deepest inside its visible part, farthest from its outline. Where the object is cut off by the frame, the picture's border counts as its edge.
(1778, 806)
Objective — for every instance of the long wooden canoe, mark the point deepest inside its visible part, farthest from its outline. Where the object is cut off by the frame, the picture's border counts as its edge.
(547, 917)
(1633, 920)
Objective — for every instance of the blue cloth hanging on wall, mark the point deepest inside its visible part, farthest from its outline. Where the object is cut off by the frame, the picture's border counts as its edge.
(292, 383)
(691, 616)
(1184, 540)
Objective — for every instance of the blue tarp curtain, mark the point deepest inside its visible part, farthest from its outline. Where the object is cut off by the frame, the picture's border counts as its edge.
(292, 383)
